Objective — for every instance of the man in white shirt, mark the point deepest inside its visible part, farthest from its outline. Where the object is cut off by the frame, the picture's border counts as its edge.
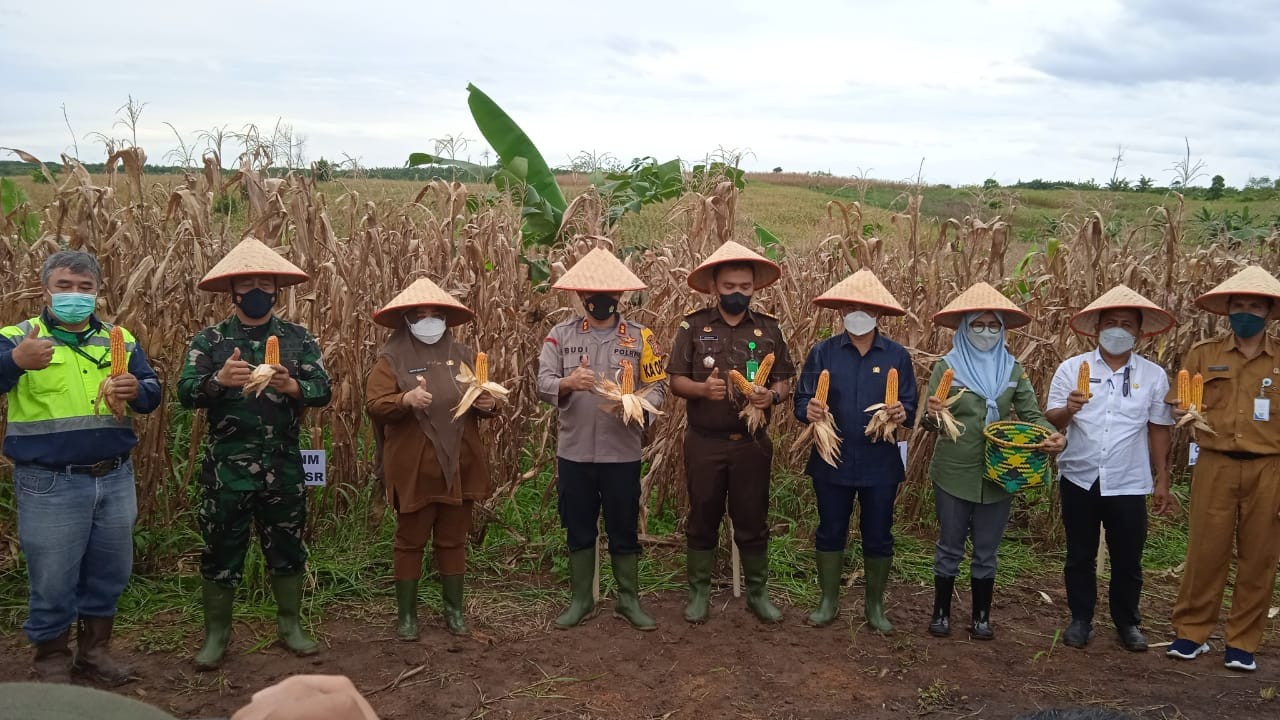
(1115, 434)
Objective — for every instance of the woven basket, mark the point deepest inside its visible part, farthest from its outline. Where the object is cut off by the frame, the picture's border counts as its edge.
(1014, 460)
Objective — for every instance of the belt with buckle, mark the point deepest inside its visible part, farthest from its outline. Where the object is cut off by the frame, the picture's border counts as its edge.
(98, 469)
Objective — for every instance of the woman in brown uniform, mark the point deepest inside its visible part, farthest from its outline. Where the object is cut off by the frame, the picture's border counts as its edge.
(434, 467)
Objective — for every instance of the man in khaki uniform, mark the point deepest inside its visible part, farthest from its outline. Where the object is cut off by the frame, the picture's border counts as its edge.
(1235, 491)
(723, 460)
(598, 455)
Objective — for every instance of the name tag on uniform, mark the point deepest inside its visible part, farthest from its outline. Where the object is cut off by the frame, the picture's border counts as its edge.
(1262, 409)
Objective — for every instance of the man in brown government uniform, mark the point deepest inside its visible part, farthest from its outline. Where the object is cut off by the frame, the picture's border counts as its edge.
(1235, 491)
(722, 459)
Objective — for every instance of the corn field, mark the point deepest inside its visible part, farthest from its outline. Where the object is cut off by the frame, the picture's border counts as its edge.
(155, 241)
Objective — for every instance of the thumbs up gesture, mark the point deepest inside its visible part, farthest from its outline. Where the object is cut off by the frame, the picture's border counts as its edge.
(582, 378)
(34, 352)
(417, 398)
(715, 387)
(235, 372)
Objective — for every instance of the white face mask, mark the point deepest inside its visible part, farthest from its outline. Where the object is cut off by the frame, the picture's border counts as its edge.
(429, 329)
(983, 341)
(1116, 341)
(859, 322)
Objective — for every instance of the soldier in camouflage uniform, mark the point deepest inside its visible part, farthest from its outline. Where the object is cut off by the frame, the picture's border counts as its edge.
(252, 470)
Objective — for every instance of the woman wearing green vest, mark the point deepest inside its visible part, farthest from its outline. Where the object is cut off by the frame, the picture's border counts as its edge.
(969, 506)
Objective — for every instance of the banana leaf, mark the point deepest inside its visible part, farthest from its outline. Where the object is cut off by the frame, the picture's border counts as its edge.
(511, 143)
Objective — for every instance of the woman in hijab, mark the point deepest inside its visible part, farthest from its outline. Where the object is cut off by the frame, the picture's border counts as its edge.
(434, 467)
(969, 506)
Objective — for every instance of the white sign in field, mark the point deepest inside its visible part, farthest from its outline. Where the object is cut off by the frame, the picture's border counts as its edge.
(313, 468)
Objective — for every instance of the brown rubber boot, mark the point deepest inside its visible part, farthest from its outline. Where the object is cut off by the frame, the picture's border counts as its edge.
(93, 653)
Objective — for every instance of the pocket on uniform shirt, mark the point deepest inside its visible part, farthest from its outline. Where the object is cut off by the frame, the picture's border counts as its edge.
(1217, 390)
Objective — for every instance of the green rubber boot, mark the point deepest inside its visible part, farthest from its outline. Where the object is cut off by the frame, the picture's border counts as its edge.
(407, 610)
(877, 581)
(698, 566)
(451, 593)
(829, 566)
(582, 571)
(755, 569)
(217, 600)
(626, 573)
(288, 594)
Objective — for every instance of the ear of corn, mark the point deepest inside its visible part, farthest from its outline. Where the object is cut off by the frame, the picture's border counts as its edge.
(762, 372)
(824, 387)
(271, 354)
(1197, 392)
(741, 382)
(482, 368)
(119, 365)
(628, 378)
(891, 387)
(1082, 379)
(944, 384)
(1184, 388)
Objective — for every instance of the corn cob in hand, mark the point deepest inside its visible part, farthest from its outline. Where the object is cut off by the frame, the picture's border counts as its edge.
(621, 395)
(1191, 399)
(881, 427)
(477, 382)
(822, 433)
(261, 376)
(951, 428)
(755, 417)
(119, 366)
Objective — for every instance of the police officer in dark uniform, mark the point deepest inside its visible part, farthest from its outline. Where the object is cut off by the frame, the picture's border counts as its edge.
(723, 460)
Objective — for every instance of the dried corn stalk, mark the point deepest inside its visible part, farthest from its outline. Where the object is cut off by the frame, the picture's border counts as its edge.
(477, 382)
(261, 376)
(822, 433)
(622, 395)
(1193, 401)
(947, 423)
(881, 428)
(755, 417)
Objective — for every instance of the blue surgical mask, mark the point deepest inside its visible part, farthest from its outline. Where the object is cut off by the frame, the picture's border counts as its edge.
(73, 308)
(1245, 324)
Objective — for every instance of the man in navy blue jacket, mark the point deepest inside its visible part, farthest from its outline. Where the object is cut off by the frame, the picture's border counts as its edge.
(69, 434)
(869, 469)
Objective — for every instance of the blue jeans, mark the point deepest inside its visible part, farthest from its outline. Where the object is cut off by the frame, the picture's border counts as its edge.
(835, 505)
(77, 533)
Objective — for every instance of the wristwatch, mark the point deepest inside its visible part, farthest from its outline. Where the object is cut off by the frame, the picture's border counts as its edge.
(215, 386)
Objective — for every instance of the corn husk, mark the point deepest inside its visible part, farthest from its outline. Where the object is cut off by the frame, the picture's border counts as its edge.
(476, 386)
(823, 434)
(881, 428)
(632, 405)
(259, 379)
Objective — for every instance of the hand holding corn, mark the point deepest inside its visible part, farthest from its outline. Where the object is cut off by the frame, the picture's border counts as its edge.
(479, 386)
(939, 405)
(889, 415)
(821, 432)
(1077, 399)
(119, 387)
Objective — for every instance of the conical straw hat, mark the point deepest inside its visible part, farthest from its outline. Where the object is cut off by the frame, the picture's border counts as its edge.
(1252, 280)
(702, 278)
(1155, 320)
(862, 287)
(251, 257)
(422, 293)
(981, 298)
(599, 271)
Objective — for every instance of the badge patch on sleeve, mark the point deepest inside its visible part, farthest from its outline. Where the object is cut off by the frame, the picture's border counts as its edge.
(653, 365)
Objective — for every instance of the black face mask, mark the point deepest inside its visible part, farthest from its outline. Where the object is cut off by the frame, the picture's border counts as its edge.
(255, 304)
(735, 303)
(600, 306)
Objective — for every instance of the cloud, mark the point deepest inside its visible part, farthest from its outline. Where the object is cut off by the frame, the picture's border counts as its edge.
(1151, 41)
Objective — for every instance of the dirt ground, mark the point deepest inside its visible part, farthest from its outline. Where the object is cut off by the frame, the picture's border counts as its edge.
(732, 667)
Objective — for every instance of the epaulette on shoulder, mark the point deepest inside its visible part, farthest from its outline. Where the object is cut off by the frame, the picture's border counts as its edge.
(695, 311)
(762, 313)
(1206, 341)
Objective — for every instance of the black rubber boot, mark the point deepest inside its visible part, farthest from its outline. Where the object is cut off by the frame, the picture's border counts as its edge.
(943, 588)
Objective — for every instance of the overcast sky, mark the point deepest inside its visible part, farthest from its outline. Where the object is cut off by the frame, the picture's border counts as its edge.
(976, 88)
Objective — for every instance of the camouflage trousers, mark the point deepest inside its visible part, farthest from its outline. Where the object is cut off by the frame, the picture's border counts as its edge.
(280, 516)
